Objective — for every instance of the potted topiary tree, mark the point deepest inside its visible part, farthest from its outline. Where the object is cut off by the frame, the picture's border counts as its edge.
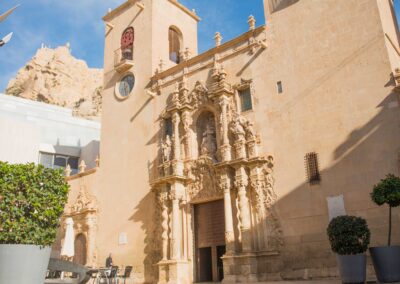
(349, 237)
(32, 200)
(386, 259)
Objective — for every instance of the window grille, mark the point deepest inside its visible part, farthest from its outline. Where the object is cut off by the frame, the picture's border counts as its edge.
(312, 168)
(245, 99)
(279, 87)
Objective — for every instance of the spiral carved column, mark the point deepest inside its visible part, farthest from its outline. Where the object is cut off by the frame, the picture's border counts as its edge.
(241, 182)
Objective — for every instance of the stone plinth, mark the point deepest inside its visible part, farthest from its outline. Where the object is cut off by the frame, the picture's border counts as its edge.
(174, 272)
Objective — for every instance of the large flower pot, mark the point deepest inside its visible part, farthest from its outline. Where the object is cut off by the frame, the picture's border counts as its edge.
(353, 268)
(23, 264)
(386, 263)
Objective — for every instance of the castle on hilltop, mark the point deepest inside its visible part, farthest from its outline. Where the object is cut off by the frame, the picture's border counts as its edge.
(228, 165)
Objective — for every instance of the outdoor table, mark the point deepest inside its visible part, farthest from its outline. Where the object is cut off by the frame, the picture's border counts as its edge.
(102, 272)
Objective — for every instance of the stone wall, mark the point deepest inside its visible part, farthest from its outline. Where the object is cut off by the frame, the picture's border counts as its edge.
(338, 101)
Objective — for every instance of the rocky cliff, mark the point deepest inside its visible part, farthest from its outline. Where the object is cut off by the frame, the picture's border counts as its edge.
(54, 76)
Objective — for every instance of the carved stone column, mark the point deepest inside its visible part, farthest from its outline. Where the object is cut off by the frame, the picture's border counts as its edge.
(240, 148)
(177, 162)
(241, 182)
(187, 122)
(258, 185)
(225, 148)
(229, 233)
(163, 199)
(252, 148)
(91, 222)
(176, 196)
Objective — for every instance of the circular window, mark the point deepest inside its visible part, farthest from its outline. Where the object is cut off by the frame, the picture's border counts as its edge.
(126, 85)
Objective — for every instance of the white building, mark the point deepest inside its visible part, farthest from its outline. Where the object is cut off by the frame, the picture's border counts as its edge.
(46, 134)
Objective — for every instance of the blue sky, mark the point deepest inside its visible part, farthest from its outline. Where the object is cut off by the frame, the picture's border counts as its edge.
(55, 22)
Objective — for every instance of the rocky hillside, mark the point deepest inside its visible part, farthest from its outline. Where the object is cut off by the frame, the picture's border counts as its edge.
(54, 76)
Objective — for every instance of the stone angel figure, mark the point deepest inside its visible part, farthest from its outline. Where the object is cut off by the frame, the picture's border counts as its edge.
(166, 148)
(249, 130)
(237, 130)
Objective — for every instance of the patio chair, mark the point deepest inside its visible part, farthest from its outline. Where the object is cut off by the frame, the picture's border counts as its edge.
(111, 278)
(127, 273)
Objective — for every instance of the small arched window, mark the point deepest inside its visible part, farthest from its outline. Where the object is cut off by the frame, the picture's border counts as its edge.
(127, 39)
(175, 41)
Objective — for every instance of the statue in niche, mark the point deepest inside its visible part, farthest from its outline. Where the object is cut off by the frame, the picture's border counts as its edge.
(166, 148)
(237, 130)
(209, 142)
(249, 130)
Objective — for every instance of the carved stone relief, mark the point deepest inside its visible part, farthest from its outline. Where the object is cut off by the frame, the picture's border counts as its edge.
(203, 185)
(219, 150)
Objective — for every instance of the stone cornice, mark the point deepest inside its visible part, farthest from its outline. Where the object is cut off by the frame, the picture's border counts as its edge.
(167, 180)
(209, 54)
(126, 4)
(82, 212)
(186, 10)
(79, 175)
(109, 16)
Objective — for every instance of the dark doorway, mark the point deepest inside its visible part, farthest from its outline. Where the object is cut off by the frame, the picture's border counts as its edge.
(210, 241)
(221, 250)
(80, 249)
(205, 265)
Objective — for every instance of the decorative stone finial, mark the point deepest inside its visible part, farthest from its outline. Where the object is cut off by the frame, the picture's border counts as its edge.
(218, 39)
(161, 66)
(252, 22)
(68, 171)
(82, 167)
(97, 161)
(187, 53)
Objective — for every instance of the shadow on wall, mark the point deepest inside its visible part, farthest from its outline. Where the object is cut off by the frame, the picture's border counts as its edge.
(366, 156)
(277, 5)
(303, 213)
(146, 213)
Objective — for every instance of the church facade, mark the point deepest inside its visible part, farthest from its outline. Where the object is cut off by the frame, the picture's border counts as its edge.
(227, 165)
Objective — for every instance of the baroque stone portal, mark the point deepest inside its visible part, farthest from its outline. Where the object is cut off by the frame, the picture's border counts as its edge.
(211, 153)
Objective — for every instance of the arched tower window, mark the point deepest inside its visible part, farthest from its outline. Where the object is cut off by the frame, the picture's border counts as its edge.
(175, 42)
(127, 39)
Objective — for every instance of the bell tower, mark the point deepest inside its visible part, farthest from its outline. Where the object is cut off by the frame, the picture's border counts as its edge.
(148, 35)
(142, 37)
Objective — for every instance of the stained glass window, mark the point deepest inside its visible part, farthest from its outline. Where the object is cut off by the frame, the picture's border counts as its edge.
(127, 40)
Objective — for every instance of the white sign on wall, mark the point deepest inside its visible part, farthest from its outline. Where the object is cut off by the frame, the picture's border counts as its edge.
(336, 206)
(123, 239)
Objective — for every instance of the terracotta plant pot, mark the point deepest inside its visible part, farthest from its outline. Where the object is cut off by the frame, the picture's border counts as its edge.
(353, 268)
(386, 263)
(25, 264)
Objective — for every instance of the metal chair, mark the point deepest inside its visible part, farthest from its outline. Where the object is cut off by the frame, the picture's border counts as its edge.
(127, 273)
(113, 274)
(111, 278)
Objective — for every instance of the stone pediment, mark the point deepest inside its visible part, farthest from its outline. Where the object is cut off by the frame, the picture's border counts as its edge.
(84, 202)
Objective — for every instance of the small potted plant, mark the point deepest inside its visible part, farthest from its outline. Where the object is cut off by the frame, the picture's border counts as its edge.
(349, 237)
(386, 259)
(32, 199)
